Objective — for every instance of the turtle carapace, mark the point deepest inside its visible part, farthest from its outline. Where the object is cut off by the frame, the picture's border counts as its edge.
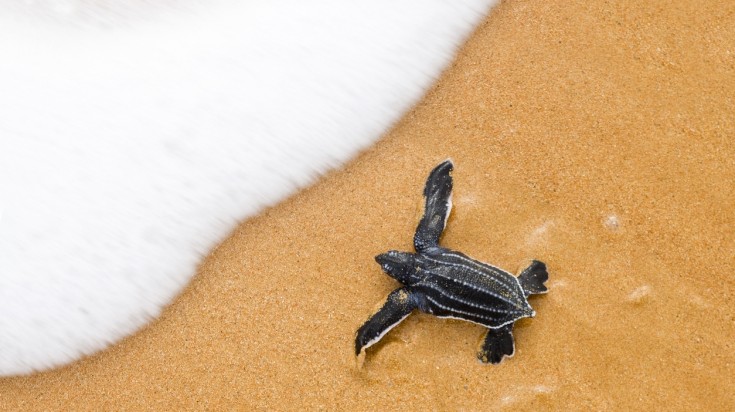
(448, 284)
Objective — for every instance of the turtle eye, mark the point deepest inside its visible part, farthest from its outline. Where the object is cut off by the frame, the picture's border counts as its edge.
(399, 265)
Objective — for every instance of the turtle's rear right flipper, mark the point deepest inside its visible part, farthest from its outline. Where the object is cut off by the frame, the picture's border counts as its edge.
(533, 277)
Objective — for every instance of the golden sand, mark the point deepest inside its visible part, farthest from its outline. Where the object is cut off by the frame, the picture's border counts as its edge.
(598, 137)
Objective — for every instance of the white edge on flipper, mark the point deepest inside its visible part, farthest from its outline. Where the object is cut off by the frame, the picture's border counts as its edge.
(449, 201)
(377, 339)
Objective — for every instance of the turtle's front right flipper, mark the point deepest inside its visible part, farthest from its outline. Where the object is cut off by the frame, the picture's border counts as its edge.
(438, 194)
(399, 305)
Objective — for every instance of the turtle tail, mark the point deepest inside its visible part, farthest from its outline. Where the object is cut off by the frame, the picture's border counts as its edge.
(533, 277)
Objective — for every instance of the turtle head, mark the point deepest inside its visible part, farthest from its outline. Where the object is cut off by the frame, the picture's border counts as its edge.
(400, 266)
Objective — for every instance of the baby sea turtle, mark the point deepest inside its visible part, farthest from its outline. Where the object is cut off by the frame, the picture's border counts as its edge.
(448, 284)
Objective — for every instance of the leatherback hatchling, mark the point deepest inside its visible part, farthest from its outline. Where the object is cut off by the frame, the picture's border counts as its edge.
(448, 284)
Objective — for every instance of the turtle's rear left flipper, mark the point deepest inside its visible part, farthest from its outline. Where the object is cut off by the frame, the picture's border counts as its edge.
(498, 343)
(438, 194)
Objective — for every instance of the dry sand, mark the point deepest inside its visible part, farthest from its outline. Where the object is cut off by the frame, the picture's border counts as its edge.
(596, 136)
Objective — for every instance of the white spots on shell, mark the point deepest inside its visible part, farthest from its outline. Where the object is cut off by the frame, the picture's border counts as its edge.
(640, 295)
(612, 223)
(539, 234)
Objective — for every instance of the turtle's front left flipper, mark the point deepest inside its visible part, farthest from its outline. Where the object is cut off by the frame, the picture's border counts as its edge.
(399, 305)
(438, 195)
(498, 343)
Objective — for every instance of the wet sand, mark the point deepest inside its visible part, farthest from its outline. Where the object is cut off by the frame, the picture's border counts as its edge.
(599, 138)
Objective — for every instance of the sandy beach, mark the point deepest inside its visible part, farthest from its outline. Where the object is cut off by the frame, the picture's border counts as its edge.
(597, 137)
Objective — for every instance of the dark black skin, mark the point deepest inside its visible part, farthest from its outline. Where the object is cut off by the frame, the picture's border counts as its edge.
(446, 283)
